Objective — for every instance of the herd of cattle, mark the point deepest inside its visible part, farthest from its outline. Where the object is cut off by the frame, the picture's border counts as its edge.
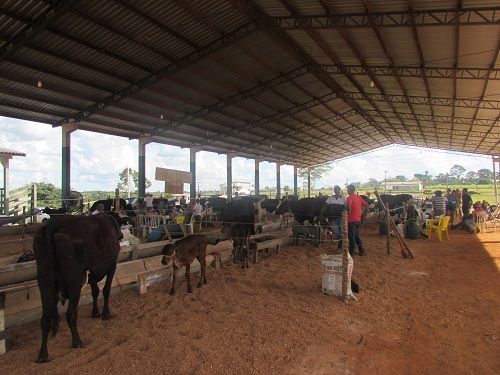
(68, 248)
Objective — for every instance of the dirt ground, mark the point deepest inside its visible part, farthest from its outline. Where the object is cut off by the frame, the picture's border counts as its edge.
(435, 314)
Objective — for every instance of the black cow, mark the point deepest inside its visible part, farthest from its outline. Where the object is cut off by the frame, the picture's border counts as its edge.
(239, 224)
(55, 211)
(109, 204)
(65, 249)
(304, 209)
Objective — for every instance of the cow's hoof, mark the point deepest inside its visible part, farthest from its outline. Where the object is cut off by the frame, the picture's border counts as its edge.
(106, 316)
(190, 290)
(77, 344)
(95, 314)
(42, 360)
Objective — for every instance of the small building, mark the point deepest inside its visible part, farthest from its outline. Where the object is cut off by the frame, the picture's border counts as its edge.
(396, 186)
(242, 187)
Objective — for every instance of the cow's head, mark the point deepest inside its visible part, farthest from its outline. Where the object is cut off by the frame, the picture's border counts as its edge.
(168, 252)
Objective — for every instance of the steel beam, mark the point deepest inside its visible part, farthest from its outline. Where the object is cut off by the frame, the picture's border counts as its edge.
(273, 117)
(238, 97)
(172, 68)
(491, 73)
(432, 17)
(37, 25)
(423, 100)
(435, 118)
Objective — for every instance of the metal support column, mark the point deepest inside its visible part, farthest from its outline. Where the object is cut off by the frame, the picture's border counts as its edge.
(257, 181)
(67, 129)
(278, 180)
(5, 162)
(142, 166)
(295, 187)
(229, 176)
(192, 169)
(309, 182)
(495, 159)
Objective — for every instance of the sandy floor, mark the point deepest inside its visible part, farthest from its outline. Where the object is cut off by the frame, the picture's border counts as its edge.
(437, 313)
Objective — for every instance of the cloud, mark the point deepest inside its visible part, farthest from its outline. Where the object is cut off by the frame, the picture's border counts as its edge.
(97, 159)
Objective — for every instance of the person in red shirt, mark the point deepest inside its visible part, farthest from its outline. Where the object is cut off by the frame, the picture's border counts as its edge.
(355, 205)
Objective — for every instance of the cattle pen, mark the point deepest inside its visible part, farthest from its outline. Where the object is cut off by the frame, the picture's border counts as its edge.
(254, 88)
(272, 318)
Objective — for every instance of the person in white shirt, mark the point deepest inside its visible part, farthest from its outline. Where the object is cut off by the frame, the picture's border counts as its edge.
(148, 201)
(197, 211)
(338, 202)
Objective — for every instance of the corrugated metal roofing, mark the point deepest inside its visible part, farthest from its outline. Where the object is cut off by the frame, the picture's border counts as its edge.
(231, 77)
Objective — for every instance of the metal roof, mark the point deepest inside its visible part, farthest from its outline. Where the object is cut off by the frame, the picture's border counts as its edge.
(293, 81)
(8, 152)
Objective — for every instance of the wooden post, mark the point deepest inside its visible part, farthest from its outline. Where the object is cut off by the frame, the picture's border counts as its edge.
(388, 229)
(345, 255)
(2, 324)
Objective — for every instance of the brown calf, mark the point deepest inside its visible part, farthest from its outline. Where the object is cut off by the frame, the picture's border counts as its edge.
(182, 253)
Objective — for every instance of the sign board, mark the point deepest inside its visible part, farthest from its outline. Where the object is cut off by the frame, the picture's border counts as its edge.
(174, 179)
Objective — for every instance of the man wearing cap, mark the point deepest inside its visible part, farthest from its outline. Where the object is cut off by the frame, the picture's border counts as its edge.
(354, 205)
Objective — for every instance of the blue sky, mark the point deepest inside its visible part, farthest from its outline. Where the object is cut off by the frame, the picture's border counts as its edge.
(97, 159)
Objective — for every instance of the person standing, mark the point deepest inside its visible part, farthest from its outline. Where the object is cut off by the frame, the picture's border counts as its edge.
(197, 211)
(438, 203)
(466, 202)
(338, 202)
(354, 205)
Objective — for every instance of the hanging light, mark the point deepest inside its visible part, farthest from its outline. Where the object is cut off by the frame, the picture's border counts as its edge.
(161, 117)
(372, 84)
(39, 84)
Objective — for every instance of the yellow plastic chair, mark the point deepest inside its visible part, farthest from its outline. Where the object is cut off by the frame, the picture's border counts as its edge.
(180, 219)
(439, 228)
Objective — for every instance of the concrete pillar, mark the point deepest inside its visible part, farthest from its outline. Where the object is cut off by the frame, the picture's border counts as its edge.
(308, 182)
(192, 169)
(495, 159)
(67, 129)
(142, 165)
(229, 172)
(5, 162)
(295, 187)
(278, 180)
(257, 181)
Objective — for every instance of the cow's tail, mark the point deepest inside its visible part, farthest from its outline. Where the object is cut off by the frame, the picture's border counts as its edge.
(56, 283)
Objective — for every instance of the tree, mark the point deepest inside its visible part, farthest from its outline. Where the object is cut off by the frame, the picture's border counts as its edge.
(457, 171)
(286, 188)
(48, 195)
(131, 180)
(400, 178)
(425, 178)
(471, 177)
(484, 176)
(317, 172)
(374, 183)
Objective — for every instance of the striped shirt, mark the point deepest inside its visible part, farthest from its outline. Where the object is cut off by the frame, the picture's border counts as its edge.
(439, 203)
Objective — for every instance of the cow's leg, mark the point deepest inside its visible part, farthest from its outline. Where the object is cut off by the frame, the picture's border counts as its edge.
(188, 277)
(95, 295)
(203, 265)
(106, 291)
(72, 317)
(174, 268)
(49, 303)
